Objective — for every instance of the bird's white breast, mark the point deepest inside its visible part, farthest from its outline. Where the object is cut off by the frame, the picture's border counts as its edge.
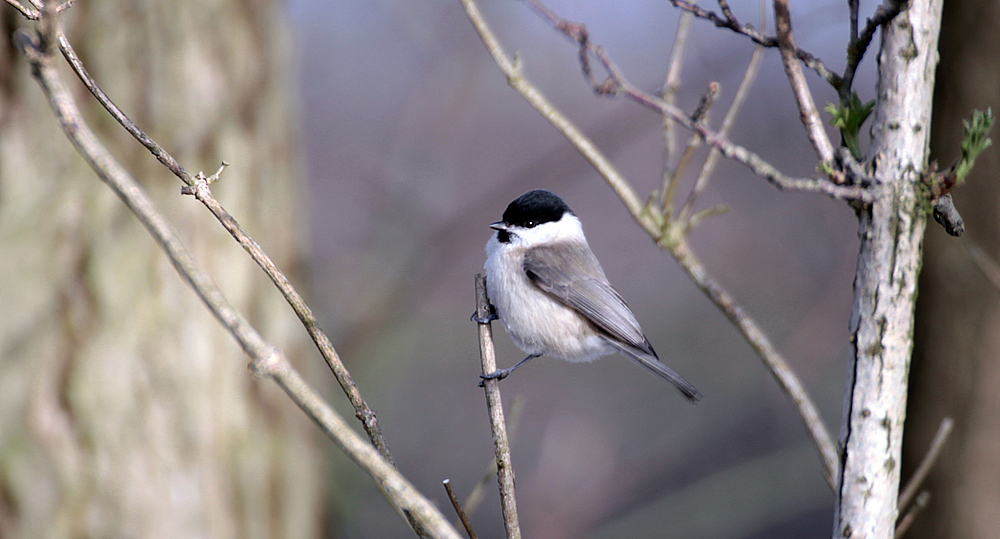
(536, 322)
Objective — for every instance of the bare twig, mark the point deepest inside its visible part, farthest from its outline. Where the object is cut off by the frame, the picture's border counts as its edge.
(161, 155)
(32, 14)
(538, 100)
(859, 43)
(671, 85)
(933, 452)
(617, 83)
(727, 20)
(458, 509)
(985, 263)
(700, 117)
(856, 48)
(727, 126)
(200, 189)
(667, 206)
(501, 446)
(803, 96)
(853, 7)
(672, 239)
(761, 344)
(919, 504)
(266, 360)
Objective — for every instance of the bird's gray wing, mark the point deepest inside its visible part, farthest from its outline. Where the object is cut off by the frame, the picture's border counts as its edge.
(572, 275)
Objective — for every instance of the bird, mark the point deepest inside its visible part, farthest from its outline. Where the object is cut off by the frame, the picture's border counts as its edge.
(548, 290)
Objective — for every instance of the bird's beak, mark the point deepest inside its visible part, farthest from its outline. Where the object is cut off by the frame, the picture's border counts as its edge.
(499, 225)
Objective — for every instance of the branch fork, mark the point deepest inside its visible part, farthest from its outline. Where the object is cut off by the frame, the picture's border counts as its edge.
(200, 189)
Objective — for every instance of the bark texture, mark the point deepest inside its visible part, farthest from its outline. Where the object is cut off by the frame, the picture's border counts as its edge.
(956, 364)
(891, 233)
(125, 411)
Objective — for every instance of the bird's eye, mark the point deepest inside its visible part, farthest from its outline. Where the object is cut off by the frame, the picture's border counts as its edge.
(530, 224)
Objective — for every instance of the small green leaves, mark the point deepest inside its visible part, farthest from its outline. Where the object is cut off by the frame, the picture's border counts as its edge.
(848, 118)
(975, 140)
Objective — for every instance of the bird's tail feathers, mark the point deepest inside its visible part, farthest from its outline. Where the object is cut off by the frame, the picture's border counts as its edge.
(654, 365)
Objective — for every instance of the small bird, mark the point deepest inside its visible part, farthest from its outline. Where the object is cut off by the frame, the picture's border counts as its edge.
(550, 293)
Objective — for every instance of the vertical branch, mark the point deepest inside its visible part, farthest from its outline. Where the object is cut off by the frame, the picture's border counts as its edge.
(885, 285)
(671, 85)
(505, 469)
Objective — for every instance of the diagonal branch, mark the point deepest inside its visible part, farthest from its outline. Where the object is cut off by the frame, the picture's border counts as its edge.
(807, 107)
(29, 13)
(462, 516)
(266, 360)
(859, 43)
(933, 452)
(200, 189)
(775, 362)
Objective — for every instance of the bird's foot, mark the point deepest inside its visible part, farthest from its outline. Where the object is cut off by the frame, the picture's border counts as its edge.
(490, 316)
(498, 374)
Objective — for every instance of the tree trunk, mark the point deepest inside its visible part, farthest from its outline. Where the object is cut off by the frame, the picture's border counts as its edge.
(956, 365)
(891, 233)
(125, 410)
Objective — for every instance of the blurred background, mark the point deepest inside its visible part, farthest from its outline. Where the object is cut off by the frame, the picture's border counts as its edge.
(371, 144)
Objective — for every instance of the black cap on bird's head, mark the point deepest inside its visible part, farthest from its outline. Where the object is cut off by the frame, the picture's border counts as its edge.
(530, 210)
(534, 208)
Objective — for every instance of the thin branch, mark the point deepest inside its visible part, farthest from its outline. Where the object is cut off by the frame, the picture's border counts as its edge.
(655, 226)
(727, 126)
(161, 155)
(919, 504)
(985, 263)
(618, 84)
(803, 96)
(671, 85)
(501, 446)
(31, 14)
(773, 359)
(266, 360)
(512, 70)
(726, 20)
(853, 7)
(202, 192)
(458, 509)
(667, 207)
(859, 43)
(729, 21)
(933, 452)
(700, 117)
